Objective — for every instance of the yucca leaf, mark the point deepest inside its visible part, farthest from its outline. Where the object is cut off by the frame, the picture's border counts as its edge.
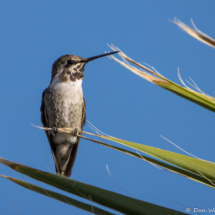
(193, 165)
(199, 98)
(59, 197)
(196, 33)
(168, 167)
(115, 201)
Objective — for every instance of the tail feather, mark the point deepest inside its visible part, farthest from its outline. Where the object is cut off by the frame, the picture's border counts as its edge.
(66, 163)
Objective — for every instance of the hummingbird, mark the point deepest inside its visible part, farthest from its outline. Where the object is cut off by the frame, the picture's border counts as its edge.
(63, 106)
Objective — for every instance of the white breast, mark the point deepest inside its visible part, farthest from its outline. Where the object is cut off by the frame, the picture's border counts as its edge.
(67, 90)
(69, 93)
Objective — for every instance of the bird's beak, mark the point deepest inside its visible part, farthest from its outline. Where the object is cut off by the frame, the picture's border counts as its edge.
(98, 56)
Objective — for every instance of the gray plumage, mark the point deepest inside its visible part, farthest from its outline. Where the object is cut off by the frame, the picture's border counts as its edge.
(62, 106)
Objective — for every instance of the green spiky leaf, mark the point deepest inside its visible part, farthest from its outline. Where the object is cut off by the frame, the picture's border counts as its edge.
(198, 167)
(115, 201)
(185, 173)
(87, 207)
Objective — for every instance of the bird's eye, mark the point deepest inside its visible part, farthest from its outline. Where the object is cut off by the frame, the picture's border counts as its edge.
(70, 62)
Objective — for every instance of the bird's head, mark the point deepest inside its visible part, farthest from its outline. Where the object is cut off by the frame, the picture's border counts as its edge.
(71, 67)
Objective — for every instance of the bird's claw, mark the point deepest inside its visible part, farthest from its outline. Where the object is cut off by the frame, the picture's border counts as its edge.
(55, 130)
(74, 132)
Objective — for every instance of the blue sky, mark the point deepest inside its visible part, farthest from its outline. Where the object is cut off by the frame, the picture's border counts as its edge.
(35, 33)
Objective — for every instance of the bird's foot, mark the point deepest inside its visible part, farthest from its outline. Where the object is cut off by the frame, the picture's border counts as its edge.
(74, 132)
(55, 130)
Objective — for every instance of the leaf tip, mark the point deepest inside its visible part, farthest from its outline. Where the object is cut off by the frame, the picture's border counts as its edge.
(9, 163)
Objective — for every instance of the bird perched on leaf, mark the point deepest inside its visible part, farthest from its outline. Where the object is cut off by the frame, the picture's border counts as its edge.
(63, 106)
